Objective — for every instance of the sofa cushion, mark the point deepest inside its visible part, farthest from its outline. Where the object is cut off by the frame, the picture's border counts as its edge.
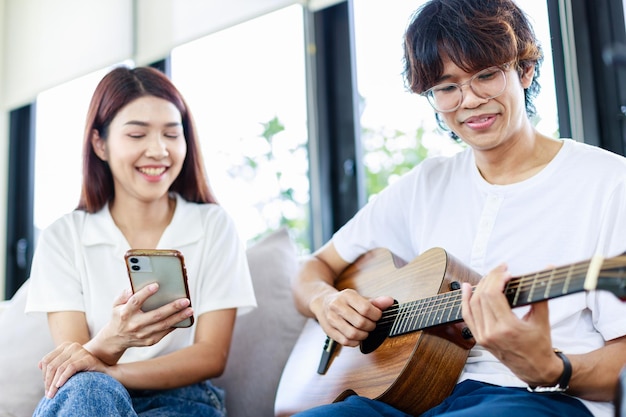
(262, 339)
(25, 340)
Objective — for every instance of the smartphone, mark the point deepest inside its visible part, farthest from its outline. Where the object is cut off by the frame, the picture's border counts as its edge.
(163, 266)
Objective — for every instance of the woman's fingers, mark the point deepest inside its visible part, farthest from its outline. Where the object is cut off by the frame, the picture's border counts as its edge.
(54, 364)
(65, 361)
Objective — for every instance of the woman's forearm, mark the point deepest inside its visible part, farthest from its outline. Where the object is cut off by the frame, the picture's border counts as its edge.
(190, 365)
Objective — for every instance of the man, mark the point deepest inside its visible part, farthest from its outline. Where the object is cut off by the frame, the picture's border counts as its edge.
(514, 202)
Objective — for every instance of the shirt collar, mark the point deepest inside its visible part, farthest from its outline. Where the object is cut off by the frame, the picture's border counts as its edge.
(186, 227)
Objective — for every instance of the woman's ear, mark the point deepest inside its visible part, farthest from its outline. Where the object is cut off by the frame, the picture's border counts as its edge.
(99, 145)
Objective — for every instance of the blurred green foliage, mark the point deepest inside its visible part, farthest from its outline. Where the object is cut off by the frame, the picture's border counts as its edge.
(387, 154)
(276, 167)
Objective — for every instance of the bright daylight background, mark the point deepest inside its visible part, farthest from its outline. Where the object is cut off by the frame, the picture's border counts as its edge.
(246, 88)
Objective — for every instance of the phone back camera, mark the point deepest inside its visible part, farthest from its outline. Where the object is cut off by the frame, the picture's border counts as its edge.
(139, 263)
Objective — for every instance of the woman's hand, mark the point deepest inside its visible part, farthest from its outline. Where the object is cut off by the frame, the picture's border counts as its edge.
(64, 361)
(131, 327)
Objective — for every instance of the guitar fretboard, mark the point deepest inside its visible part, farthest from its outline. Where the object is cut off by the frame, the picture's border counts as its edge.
(527, 289)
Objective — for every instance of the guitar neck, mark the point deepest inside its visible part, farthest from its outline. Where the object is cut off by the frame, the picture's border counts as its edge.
(445, 308)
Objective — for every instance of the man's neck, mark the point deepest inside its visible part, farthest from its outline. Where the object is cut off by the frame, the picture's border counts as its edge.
(517, 160)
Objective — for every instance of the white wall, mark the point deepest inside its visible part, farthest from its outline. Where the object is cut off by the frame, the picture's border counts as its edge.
(47, 43)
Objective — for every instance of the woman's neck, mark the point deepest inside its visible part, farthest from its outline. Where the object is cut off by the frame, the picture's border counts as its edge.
(143, 224)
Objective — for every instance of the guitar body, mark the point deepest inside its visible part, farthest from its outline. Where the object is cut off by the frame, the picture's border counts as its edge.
(412, 372)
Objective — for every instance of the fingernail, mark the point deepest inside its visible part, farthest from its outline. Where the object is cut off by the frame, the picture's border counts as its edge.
(153, 287)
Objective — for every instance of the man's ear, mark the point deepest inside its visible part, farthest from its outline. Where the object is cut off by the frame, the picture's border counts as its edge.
(99, 145)
(527, 76)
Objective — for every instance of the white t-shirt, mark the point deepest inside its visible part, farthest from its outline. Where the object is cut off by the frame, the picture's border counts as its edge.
(572, 210)
(78, 265)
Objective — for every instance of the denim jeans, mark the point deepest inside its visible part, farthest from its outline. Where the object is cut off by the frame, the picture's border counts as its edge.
(469, 399)
(97, 394)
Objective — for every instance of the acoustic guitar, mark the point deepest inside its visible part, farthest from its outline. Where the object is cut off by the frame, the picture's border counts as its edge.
(415, 355)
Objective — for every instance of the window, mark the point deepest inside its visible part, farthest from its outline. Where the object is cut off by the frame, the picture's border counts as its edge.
(61, 114)
(246, 88)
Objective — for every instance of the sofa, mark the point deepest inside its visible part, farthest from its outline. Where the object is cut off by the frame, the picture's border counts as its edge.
(262, 339)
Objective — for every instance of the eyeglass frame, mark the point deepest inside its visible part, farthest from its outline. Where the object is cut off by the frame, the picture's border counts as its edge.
(428, 93)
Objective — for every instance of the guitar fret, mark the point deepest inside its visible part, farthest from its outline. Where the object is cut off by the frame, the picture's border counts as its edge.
(415, 313)
(517, 293)
(400, 320)
(455, 308)
(441, 304)
(425, 314)
(532, 289)
(419, 323)
(422, 314)
(432, 307)
(396, 322)
(567, 279)
(549, 286)
(512, 293)
(446, 310)
(557, 289)
(411, 316)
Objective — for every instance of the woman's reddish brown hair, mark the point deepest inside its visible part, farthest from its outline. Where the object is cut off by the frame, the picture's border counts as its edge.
(118, 88)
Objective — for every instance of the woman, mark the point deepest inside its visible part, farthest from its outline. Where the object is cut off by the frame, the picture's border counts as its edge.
(144, 186)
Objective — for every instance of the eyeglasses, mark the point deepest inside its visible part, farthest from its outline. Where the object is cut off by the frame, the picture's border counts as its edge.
(486, 84)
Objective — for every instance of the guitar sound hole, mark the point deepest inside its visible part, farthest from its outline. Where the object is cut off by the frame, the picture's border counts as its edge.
(382, 330)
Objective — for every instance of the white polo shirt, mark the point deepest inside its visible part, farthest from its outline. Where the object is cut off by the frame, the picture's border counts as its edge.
(78, 265)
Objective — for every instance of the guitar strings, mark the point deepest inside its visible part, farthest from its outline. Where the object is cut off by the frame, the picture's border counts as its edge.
(418, 314)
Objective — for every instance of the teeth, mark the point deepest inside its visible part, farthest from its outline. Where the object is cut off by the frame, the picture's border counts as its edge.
(152, 171)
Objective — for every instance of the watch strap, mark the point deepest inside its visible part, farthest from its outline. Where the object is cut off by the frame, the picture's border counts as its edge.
(563, 383)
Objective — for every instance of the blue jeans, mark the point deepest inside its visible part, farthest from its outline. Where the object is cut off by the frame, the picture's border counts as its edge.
(97, 394)
(469, 399)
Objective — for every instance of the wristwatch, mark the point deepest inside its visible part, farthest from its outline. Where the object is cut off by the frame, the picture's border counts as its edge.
(563, 383)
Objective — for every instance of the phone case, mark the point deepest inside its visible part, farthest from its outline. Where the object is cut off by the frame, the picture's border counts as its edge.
(164, 266)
